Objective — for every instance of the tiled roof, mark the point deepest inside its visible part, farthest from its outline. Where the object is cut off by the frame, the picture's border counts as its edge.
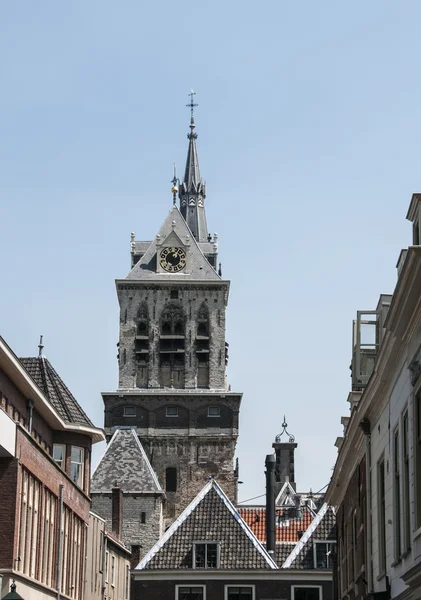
(58, 394)
(126, 463)
(210, 517)
(322, 528)
(289, 530)
(198, 266)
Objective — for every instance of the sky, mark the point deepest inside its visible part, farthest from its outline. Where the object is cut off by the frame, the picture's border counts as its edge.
(308, 123)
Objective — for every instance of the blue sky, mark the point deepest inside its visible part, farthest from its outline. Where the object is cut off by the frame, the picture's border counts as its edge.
(309, 126)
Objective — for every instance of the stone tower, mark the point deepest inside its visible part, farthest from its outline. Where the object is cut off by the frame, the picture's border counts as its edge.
(173, 354)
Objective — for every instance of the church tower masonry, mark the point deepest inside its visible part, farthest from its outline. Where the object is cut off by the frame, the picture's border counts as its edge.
(172, 351)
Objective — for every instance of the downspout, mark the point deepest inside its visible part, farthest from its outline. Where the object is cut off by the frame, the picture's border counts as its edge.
(60, 541)
(366, 428)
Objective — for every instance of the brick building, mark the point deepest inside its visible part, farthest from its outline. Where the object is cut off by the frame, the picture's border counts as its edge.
(375, 485)
(45, 457)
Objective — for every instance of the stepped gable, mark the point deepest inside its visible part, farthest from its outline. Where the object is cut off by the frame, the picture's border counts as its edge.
(54, 388)
(288, 530)
(323, 528)
(210, 517)
(126, 463)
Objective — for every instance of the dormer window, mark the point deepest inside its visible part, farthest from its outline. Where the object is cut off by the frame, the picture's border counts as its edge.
(323, 554)
(205, 555)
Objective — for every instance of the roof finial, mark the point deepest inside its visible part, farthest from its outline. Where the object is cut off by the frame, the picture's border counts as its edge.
(174, 188)
(192, 106)
(291, 438)
(40, 346)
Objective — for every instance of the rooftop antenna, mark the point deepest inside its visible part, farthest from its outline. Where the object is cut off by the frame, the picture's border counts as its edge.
(40, 346)
(174, 188)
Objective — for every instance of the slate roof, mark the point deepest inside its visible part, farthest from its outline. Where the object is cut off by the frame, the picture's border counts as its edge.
(323, 527)
(288, 530)
(126, 463)
(58, 394)
(210, 517)
(198, 265)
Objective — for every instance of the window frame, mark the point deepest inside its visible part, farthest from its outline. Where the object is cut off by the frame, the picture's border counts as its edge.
(63, 446)
(396, 465)
(381, 515)
(169, 415)
(406, 482)
(331, 543)
(82, 466)
(206, 543)
(106, 561)
(112, 570)
(319, 587)
(189, 585)
(128, 416)
(239, 585)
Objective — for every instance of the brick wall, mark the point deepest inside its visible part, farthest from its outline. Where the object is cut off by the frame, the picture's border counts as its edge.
(8, 500)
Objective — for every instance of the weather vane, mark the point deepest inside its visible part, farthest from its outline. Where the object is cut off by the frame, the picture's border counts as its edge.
(192, 105)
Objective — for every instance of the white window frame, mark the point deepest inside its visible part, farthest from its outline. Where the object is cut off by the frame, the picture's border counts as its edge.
(80, 481)
(214, 416)
(239, 584)
(319, 587)
(190, 585)
(332, 542)
(63, 460)
(126, 414)
(169, 407)
(207, 543)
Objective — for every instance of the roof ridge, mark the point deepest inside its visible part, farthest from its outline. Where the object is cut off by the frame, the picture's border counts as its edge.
(212, 484)
(146, 459)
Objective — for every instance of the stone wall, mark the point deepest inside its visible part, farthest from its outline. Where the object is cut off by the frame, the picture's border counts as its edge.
(152, 300)
(134, 531)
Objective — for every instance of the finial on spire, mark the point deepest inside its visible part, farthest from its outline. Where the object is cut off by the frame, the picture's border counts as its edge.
(40, 346)
(174, 188)
(192, 106)
(291, 438)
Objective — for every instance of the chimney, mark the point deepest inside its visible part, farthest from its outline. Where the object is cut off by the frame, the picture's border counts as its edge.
(116, 510)
(270, 505)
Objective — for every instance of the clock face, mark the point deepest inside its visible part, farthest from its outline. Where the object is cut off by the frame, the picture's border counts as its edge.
(172, 259)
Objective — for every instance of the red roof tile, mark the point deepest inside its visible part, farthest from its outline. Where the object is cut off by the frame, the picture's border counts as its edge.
(290, 530)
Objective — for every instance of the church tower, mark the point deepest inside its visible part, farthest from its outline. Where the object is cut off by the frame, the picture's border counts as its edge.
(172, 351)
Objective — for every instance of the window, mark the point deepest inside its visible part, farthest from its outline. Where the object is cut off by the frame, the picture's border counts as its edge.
(396, 497)
(174, 294)
(239, 592)
(59, 455)
(171, 411)
(405, 477)
(381, 516)
(126, 587)
(112, 569)
(417, 444)
(323, 554)
(143, 517)
(214, 411)
(205, 555)
(171, 479)
(76, 465)
(129, 411)
(183, 592)
(309, 592)
(106, 567)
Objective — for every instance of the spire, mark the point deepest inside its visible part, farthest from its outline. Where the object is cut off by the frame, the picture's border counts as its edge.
(192, 191)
